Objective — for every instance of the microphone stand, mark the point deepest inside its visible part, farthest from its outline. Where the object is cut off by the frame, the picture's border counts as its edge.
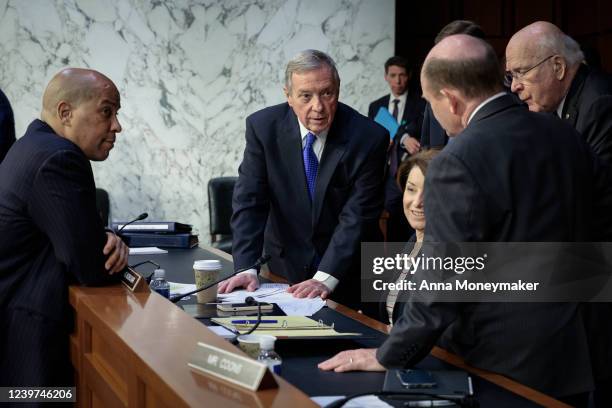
(139, 218)
(249, 301)
(257, 264)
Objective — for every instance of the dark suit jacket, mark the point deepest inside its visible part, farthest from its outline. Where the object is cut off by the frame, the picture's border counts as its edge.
(412, 119)
(398, 229)
(511, 175)
(588, 107)
(7, 126)
(272, 209)
(432, 134)
(50, 236)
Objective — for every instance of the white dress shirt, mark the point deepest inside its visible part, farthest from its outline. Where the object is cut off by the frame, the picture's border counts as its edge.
(400, 106)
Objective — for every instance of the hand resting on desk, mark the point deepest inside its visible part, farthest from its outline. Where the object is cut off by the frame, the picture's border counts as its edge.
(246, 280)
(353, 360)
(309, 289)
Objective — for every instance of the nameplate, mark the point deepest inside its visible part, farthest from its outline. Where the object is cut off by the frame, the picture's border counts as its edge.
(231, 367)
(133, 280)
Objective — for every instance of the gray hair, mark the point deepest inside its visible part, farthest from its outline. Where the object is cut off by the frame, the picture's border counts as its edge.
(563, 45)
(310, 60)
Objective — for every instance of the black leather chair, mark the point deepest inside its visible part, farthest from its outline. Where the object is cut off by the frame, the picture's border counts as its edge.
(103, 205)
(220, 190)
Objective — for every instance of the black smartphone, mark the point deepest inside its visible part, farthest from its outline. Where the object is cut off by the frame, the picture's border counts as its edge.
(416, 379)
(239, 307)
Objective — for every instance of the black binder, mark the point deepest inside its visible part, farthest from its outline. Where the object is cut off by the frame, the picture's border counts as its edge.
(160, 240)
(152, 226)
(449, 383)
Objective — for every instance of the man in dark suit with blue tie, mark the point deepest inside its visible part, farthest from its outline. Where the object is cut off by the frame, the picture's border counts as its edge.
(309, 187)
(407, 109)
(51, 235)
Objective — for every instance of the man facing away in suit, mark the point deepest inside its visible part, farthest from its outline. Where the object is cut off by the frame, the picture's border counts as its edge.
(309, 187)
(432, 134)
(407, 109)
(481, 188)
(51, 235)
(546, 69)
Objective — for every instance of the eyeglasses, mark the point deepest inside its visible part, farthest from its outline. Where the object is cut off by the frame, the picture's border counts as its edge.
(517, 75)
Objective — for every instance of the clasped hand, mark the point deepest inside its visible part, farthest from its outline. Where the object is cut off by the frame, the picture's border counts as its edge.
(116, 253)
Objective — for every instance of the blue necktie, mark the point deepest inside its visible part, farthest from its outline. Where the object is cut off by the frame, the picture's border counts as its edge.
(311, 164)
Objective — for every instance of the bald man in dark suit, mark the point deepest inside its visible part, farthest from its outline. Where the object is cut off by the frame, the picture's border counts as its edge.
(480, 189)
(51, 235)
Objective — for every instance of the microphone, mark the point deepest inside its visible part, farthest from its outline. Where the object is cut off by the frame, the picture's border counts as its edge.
(261, 261)
(139, 218)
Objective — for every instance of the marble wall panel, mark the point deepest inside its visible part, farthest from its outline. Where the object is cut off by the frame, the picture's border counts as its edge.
(189, 72)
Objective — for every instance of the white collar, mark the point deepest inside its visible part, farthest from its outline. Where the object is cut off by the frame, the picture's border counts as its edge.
(401, 98)
(483, 103)
(560, 108)
(320, 136)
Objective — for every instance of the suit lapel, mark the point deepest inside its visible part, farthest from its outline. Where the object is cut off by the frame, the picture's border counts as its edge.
(570, 108)
(291, 150)
(385, 102)
(335, 146)
(408, 113)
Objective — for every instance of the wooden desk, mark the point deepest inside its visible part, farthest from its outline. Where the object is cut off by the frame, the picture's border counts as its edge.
(446, 356)
(132, 350)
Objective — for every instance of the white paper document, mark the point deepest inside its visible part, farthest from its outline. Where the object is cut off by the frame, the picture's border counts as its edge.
(277, 293)
(147, 251)
(181, 288)
(221, 331)
(367, 401)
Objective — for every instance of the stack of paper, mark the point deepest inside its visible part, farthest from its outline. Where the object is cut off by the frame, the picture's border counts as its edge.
(281, 326)
(367, 401)
(147, 251)
(181, 288)
(277, 293)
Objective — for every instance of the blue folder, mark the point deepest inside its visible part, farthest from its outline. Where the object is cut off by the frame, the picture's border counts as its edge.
(384, 118)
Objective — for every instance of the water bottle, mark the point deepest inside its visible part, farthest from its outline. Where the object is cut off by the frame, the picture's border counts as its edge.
(159, 283)
(268, 356)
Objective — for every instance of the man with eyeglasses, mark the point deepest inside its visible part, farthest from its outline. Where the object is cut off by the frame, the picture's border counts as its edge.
(546, 69)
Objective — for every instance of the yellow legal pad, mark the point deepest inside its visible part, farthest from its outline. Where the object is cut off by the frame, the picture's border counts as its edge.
(285, 326)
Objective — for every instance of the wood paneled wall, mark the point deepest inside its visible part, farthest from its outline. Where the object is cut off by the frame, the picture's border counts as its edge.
(588, 21)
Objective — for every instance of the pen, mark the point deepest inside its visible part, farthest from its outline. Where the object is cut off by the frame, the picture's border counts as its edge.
(252, 321)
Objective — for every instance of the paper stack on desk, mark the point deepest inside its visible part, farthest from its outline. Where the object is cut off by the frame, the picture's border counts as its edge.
(281, 326)
(277, 293)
